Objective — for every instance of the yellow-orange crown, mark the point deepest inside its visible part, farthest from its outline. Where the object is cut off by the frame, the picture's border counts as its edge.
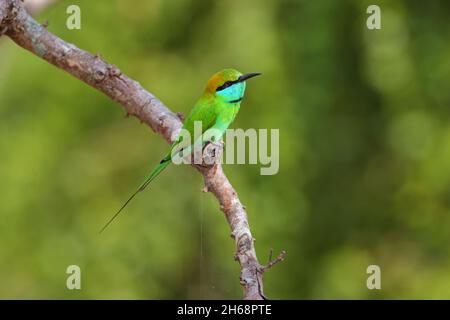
(221, 77)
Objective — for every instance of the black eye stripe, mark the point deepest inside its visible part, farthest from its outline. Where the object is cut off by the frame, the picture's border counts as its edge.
(227, 84)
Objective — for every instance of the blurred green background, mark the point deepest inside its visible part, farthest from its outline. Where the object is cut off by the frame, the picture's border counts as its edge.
(364, 152)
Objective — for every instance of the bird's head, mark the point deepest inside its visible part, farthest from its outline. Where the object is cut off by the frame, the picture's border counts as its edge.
(229, 85)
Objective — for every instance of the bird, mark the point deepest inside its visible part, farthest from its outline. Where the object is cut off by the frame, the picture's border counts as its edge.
(216, 110)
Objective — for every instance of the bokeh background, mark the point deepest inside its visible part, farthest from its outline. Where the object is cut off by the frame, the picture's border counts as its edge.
(364, 152)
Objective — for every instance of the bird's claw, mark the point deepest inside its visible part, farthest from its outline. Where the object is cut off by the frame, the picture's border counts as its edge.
(212, 152)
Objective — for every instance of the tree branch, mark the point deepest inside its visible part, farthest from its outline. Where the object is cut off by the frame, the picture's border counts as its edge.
(36, 6)
(107, 78)
(4, 15)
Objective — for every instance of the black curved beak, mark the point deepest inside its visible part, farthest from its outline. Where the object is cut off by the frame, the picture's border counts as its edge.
(247, 76)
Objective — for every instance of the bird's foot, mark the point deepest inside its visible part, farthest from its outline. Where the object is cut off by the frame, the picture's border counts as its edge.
(212, 153)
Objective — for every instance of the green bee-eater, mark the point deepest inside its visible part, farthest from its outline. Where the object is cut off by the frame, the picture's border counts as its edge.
(216, 109)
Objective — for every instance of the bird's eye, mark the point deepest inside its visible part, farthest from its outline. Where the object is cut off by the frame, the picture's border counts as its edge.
(224, 86)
